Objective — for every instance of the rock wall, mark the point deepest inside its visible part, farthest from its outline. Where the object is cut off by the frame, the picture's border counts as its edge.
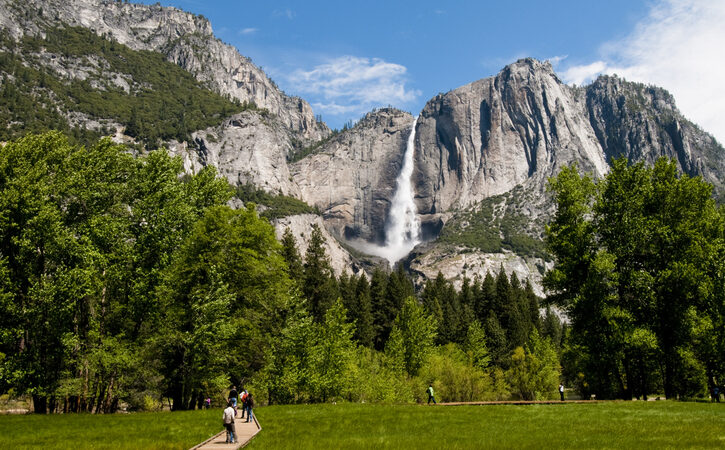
(301, 228)
(524, 124)
(352, 178)
(246, 148)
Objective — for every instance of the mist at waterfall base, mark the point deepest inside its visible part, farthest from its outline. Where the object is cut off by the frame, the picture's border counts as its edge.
(402, 228)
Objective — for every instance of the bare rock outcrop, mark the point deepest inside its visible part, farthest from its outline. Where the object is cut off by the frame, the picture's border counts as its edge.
(247, 148)
(352, 178)
(301, 228)
(521, 126)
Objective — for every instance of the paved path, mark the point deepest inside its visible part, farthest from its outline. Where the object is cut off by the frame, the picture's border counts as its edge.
(245, 432)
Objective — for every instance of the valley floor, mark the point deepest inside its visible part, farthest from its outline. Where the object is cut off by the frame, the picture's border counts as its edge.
(661, 424)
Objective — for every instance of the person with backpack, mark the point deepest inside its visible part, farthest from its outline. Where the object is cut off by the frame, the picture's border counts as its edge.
(431, 394)
(249, 405)
(228, 421)
(243, 399)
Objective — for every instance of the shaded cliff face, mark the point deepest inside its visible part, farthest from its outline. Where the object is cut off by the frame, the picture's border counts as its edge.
(185, 39)
(352, 178)
(642, 123)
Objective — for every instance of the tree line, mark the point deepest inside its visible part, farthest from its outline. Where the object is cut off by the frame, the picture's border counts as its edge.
(124, 281)
(639, 273)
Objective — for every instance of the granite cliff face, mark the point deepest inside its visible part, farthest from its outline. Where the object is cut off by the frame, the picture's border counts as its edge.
(484, 138)
(508, 134)
(642, 123)
(521, 126)
(185, 39)
(352, 178)
(246, 148)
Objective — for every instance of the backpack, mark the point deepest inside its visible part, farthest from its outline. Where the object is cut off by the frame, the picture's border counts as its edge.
(228, 417)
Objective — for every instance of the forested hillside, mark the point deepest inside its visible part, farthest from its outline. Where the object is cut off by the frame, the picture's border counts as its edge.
(47, 82)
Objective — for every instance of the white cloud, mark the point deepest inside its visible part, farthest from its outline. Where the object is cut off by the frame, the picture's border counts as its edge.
(351, 84)
(585, 73)
(555, 60)
(288, 13)
(678, 46)
(247, 31)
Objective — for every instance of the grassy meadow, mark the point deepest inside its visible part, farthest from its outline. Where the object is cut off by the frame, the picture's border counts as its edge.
(596, 425)
(161, 430)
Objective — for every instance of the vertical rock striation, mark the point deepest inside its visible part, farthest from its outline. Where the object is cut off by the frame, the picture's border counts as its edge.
(352, 178)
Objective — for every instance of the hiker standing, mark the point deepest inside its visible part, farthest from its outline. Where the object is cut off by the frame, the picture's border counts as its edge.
(431, 394)
(561, 391)
(249, 405)
(233, 399)
(228, 420)
(243, 400)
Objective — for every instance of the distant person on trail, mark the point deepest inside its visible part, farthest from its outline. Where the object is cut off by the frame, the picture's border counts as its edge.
(228, 420)
(207, 403)
(249, 405)
(561, 391)
(431, 394)
(243, 400)
(233, 399)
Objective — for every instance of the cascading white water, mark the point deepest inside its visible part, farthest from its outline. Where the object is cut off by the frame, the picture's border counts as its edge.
(402, 229)
(402, 232)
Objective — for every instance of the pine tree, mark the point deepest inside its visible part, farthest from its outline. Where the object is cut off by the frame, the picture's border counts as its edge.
(485, 298)
(292, 256)
(364, 331)
(517, 318)
(378, 288)
(320, 286)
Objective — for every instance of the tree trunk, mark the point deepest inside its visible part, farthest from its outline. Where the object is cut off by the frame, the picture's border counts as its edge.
(40, 404)
(109, 396)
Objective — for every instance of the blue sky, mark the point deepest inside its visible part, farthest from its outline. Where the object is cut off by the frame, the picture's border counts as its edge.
(348, 57)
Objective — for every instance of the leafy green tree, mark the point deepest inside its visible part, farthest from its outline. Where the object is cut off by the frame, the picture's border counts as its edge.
(242, 249)
(636, 256)
(412, 337)
(475, 346)
(534, 372)
(332, 357)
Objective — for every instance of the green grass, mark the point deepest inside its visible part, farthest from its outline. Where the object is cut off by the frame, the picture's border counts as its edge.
(596, 425)
(163, 430)
(600, 425)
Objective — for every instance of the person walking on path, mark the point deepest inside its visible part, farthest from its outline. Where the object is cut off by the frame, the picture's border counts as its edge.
(431, 394)
(249, 405)
(561, 391)
(228, 420)
(233, 399)
(243, 400)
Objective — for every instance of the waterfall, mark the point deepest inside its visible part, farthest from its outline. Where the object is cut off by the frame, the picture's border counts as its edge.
(402, 232)
(402, 229)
